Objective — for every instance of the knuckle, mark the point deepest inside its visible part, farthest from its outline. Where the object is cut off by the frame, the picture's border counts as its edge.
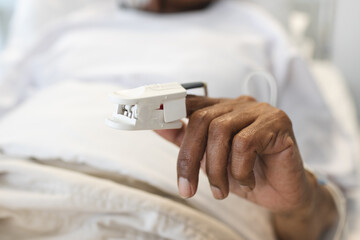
(238, 175)
(218, 127)
(269, 138)
(241, 143)
(247, 98)
(201, 116)
(184, 162)
(282, 116)
(289, 142)
(264, 105)
(243, 177)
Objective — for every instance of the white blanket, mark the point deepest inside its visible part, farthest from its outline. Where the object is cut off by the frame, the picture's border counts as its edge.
(40, 202)
(96, 41)
(64, 126)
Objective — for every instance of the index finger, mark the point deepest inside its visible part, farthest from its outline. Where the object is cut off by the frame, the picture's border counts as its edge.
(192, 149)
(194, 103)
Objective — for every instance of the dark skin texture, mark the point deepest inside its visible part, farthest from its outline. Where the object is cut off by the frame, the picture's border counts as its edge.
(249, 149)
(171, 6)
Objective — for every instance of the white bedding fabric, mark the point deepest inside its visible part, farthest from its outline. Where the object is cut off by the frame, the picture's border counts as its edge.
(76, 206)
(66, 122)
(41, 202)
(95, 41)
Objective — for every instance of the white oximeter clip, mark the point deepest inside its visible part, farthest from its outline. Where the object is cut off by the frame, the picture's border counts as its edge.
(158, 106)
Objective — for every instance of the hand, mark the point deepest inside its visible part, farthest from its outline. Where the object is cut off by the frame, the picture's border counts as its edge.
(176, 5)
(249, 148)
(245, 147)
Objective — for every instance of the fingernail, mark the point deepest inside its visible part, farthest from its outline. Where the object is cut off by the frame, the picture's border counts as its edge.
(184, 188)
(217, 192)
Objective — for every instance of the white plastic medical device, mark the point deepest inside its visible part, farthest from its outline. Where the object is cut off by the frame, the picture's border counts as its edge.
(159, 106)
(162, 106)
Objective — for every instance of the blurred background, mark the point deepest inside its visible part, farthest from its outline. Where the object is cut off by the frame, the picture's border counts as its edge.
(324, 30)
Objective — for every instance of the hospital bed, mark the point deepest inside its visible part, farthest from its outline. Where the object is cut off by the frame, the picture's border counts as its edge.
(65, 175)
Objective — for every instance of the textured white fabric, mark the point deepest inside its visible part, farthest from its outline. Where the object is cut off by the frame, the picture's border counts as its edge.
(97, 41)
(42, 202)
(66, 122)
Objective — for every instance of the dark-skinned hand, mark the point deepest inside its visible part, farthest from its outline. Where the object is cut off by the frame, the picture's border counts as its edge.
(245, 147)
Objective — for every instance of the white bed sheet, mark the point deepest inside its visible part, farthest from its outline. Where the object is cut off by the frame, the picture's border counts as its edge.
(336, 94)
(97, 41)
(66, 123)
(44, 202)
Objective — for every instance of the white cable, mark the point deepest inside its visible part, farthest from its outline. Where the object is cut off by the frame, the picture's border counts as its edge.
(271, 82)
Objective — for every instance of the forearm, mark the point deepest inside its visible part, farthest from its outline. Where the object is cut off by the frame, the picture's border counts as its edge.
(310, 221)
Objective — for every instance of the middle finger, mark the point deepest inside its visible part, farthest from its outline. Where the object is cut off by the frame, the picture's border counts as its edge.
(193, 147)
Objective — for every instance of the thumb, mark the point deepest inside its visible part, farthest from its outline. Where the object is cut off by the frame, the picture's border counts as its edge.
(175, 136)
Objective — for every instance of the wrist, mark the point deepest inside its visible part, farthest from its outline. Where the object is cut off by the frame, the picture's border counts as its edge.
(316, 213)
(310, 200)
(320, 202)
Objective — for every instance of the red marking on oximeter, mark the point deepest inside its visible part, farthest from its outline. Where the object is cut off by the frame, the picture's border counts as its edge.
(161, 107)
